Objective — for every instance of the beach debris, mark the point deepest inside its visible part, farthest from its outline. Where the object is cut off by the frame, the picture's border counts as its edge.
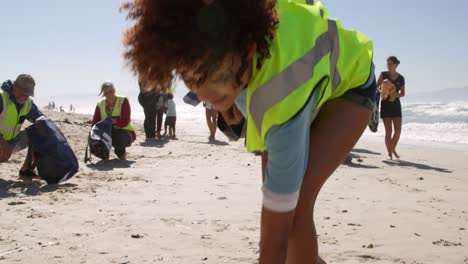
(11, 251)
(462, 229)
(370, 246)
(392, 226)
(205, 237)
(416, 234)
(16, 203)
(344, 211)
(222, 198)
(446, 243)
(216, 178)
(137, 236)
(420, 179)
(368, 257)
(204, 259)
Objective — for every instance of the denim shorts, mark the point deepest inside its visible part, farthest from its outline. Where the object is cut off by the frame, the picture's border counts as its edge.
(364, 95)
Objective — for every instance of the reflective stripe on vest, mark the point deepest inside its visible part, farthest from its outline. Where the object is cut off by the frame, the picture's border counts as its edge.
(9, 117)
(283, 84)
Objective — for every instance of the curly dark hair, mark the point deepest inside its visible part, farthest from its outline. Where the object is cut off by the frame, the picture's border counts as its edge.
(170, 37)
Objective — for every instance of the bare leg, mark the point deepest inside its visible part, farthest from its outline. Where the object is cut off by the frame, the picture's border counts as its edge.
(388, 136)
(211, 120)
(396, 135)
(341, 122)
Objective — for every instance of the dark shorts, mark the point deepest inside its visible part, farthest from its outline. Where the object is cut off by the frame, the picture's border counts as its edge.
(170, 121)
(390, 109)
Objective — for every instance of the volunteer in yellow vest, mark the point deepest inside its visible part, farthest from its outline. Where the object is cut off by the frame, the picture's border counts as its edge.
(304, 83)
(16, 106)
(117, 108)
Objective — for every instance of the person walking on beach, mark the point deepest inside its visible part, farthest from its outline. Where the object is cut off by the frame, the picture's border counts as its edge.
(147, 99)
(171, 117)
(211, 119)
(307, 93)
(390, 110)
(16, 106)
(117, 108)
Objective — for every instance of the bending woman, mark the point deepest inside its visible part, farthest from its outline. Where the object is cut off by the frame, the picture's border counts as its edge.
(307, 93)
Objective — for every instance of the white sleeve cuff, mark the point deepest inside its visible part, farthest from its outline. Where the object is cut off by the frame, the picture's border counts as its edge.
(278, 202)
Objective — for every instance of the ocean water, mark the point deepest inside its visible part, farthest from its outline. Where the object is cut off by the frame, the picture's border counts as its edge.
(433, 122)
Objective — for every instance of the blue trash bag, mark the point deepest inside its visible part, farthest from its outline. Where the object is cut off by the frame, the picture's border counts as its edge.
(56, 162)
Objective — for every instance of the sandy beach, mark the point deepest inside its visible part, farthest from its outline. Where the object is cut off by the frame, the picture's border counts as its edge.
(187, 201)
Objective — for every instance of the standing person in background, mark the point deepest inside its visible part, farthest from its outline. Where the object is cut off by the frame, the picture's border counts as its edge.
(161, 101)
(147, 99)
(16, 106)
(211, 119)
(117, 108)
(169, 124)
(390, 110)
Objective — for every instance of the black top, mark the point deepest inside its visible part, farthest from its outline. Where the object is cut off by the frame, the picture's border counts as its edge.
(398, 82)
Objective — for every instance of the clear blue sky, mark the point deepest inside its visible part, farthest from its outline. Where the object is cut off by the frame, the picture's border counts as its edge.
(70, 47)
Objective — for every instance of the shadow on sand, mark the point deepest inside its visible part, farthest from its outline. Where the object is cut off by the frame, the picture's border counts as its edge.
(366, 151)
(210, 142)
(420, 166)
(10, 188)
(109, 165)
(155, 143)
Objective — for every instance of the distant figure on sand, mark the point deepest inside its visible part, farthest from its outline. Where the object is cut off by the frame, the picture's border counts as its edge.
(307, 93)
(392, 87)
(170, 122)
(16, 106)
(61, 109)
(117, 108)
(211, 119)
(72, 108)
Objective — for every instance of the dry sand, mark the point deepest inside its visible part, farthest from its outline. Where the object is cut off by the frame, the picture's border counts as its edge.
(187, 201)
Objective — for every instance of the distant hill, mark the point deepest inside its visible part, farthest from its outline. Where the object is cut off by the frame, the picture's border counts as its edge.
(443, 96)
